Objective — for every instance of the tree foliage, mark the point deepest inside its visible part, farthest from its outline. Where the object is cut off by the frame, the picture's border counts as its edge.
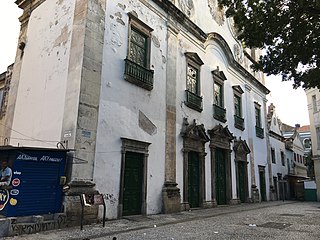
(289, 30)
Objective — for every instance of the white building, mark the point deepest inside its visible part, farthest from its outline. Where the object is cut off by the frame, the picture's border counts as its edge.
(156, 97)
(313, 98)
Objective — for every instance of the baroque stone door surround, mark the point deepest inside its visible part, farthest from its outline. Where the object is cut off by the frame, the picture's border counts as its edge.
(194, 139)
(221, 137)
(130, 145)
(241, 150)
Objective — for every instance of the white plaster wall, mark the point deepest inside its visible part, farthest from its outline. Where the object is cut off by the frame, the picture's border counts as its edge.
(41, 94)
(121, 102)
(278, 146)
(301, 169)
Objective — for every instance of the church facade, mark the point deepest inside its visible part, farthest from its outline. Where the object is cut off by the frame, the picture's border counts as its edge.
(156, 98)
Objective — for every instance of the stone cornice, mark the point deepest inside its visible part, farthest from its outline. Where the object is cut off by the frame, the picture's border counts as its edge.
(28, 6)
(182, 19)
(227, 51)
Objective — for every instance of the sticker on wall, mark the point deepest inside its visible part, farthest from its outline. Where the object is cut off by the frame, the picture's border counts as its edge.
(14, 192)
(4, 197)
(16, 182)
(13, 201)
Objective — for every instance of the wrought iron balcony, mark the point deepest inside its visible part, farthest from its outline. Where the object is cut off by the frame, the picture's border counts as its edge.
(239, 122)
(219, 113)
(194, 101)
(259, 132)
(138, 75)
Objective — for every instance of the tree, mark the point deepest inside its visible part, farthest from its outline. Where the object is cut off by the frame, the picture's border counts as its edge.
(289, 30)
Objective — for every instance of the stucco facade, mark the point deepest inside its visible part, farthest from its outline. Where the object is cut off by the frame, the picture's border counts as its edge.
(313, 97)
(77, 84)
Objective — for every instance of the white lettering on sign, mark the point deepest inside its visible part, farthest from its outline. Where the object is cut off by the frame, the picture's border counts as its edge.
(27, 157)
(50, 159)
(16, 173)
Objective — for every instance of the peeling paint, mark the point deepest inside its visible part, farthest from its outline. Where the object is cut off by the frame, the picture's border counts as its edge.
(122, 6)
(155, 41)
(146, 125)
(118, 14)
(164, 60)
(120, 21)
(62, 39)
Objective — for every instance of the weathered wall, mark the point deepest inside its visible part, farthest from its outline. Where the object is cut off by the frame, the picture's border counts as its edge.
(42, 86)
(122, 104)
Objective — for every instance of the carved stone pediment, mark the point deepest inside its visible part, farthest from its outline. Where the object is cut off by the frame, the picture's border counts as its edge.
(241, 149)
(219, 74)
(194, 131)
(238, 89)
(220, 137)
(194, 57)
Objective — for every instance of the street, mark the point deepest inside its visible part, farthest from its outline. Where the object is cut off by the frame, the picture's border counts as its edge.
(272, 220)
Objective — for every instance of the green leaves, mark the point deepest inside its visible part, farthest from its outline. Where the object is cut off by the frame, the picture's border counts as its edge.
(289, 30)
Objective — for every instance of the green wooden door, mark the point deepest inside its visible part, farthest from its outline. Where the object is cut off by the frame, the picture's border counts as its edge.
(262, 185)
(221, 185)
(193, 179)
(242, 180)
(133, 177)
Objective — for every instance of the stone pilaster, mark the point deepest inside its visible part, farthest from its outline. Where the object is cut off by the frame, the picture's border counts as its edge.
(81, 109)
(170, 192)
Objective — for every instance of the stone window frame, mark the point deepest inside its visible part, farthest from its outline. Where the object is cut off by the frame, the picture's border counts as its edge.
(258, 119)
(131, 145)
(219, 79)
(283, 158)
(140, 75)
(257, 109)
(219, 110)
(314, 103)
(273, 155)
(194, 61)
(143, 29)
(237, 93)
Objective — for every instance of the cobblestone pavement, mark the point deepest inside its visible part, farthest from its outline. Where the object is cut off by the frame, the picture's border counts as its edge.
(269, 220)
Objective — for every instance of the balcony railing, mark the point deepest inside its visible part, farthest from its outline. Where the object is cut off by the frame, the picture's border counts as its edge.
(219, 113)
(138, 75)
(239, 122)
(259, 132)
(194, 101)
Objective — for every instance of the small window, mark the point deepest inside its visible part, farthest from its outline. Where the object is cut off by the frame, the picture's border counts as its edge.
(137, 63)
(218, 95)
(219, 112)
(237, 105)
(314, 103)
(273, 155)
(193, 93)
(259, 129)
(237, 99)
(295, 157)
(282, 158)
(193, 79)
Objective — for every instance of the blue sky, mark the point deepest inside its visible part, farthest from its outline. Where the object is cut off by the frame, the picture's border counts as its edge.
(291, 105)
